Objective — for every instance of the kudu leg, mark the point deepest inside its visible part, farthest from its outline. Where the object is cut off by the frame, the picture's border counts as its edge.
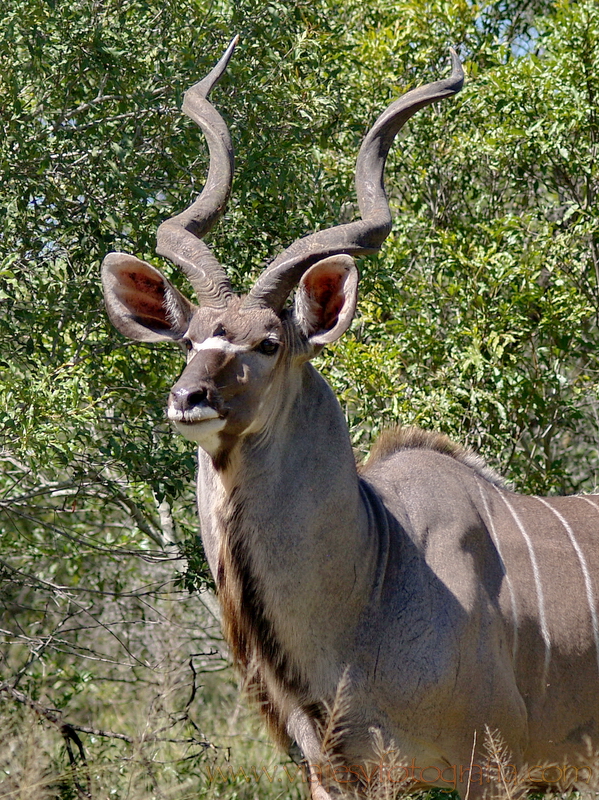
(302, 730)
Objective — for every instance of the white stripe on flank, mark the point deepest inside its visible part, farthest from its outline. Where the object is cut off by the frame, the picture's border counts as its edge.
(585, 571)
(493, 532)
(537, 577)
(220, 343)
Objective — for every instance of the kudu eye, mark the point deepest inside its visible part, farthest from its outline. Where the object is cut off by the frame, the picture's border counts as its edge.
(267, 347)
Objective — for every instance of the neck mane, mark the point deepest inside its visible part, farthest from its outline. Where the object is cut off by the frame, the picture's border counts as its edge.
(397, 439)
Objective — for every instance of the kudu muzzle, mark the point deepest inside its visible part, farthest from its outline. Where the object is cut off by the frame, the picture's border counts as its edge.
(209, 379)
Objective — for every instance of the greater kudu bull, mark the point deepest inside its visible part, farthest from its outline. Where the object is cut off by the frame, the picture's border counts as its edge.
(448, 602)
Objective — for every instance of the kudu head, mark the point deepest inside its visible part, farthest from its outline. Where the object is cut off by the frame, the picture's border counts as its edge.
(243, 352)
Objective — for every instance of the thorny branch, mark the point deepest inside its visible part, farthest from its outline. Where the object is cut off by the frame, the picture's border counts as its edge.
(55, 717)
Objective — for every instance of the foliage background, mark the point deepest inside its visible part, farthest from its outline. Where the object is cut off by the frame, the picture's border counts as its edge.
(479, 318)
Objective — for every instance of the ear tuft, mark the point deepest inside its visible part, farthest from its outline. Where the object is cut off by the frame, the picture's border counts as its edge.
(326, 299)
(141, 303)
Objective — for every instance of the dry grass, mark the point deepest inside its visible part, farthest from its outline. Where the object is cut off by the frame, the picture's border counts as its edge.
(139, 703)
(492, 774)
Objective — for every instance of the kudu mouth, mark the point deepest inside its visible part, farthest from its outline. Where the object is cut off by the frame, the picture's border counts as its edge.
(196, 410)
(197, 413)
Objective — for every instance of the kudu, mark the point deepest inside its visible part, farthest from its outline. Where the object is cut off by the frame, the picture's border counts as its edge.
(441, 600)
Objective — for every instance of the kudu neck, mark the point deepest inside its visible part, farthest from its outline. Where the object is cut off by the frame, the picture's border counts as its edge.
(304, 438)
(292, 500)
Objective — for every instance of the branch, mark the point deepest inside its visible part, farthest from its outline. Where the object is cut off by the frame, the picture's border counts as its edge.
(54, 716)
(67, 731)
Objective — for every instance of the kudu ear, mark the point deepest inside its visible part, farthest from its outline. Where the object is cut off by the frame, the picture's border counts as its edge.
(326, 298)
(140, 302)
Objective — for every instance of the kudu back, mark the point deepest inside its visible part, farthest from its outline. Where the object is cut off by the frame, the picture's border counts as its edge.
(443, 603)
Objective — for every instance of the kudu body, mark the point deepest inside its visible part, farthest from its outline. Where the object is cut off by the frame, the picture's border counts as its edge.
(441, 601)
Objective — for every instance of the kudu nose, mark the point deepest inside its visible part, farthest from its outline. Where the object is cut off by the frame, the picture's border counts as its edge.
(184, 398)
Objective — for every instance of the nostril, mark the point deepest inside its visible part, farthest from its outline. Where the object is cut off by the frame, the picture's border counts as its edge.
(184, 399)
(197, 398)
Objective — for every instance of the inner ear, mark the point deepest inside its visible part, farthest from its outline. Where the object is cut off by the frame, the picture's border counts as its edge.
(326, 298)
(140, 302)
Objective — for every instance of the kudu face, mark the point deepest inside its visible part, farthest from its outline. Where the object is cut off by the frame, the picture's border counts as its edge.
(234, 359)
(244, 354)
(241, 358)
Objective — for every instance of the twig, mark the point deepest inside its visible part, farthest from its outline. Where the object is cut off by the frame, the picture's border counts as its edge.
(470, 770)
